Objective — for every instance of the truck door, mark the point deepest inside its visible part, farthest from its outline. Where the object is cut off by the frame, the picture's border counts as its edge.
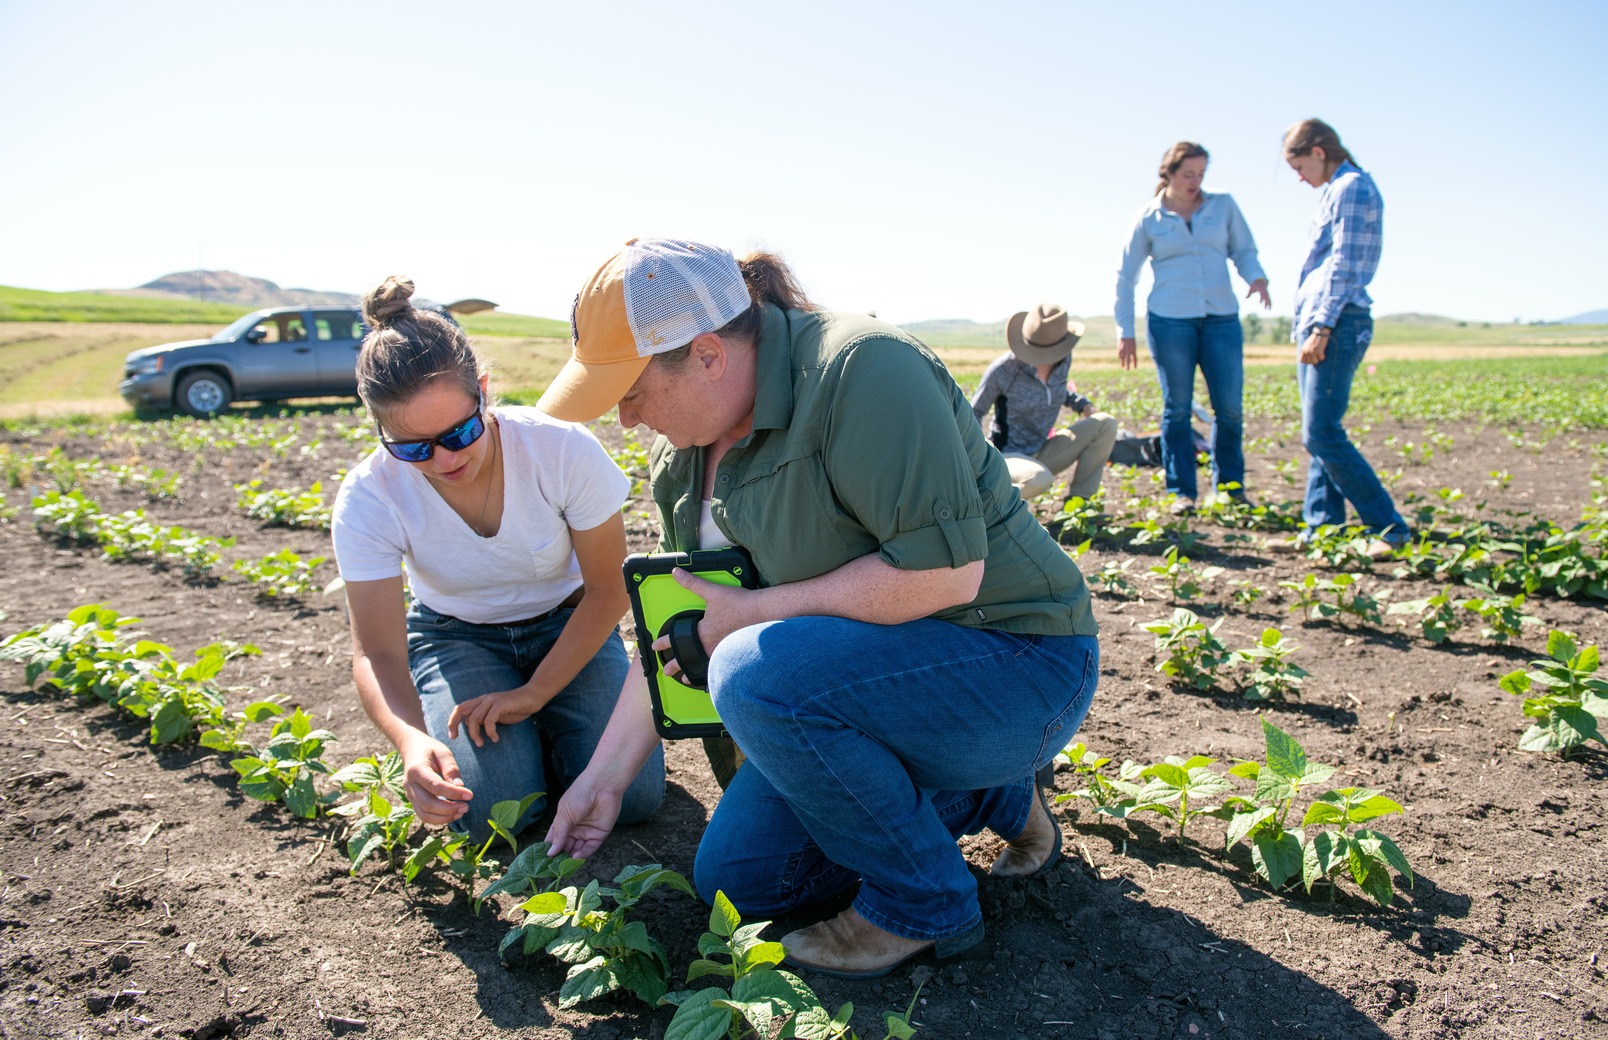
(337, 335)
(277, 359)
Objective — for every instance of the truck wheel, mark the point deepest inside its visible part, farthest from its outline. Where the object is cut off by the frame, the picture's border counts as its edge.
(203, 394)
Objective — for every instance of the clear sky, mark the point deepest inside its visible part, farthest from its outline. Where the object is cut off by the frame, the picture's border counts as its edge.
(925, 160)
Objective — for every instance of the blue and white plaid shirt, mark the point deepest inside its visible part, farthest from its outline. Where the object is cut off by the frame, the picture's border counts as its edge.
(1346, 242)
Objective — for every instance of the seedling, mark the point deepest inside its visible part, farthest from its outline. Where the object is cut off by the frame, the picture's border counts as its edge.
(463, 857)
(1570, 700)
(228, 734)
(1082, 518)
(1194, 653)
(1506, 619)
(764, 1002)
(606, 950)
(381, 819)
(1273, 676)
(1436, 615)
(283, 573)
(1246, 592)
(1183, 581)
(1179, 780)
(285, 508)
(69, 650)
(1113, 578)
(1111, 797)
(285, 769)
(70, 513)
(1280, 853)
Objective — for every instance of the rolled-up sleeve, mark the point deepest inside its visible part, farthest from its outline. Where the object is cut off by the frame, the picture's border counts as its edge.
(896, 459)
(1133, 261)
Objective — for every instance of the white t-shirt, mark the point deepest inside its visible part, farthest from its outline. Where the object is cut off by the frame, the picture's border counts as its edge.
(388, 520)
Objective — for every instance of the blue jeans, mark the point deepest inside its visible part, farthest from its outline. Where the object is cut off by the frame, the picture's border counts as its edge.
(871, 748)
(1337, 471)
(454, 661)
(1216, 344)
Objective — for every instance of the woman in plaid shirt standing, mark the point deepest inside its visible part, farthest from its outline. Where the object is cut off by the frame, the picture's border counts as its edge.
(1334, 327)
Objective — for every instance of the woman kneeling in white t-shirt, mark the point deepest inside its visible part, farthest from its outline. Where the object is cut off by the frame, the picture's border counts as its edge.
(507, 524)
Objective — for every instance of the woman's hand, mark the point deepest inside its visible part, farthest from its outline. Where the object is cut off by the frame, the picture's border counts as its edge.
(726, 609)
(491, 710)
(584, 817)
(1128, 352)
(1259, 288)
(431, 780)
(1313, 349)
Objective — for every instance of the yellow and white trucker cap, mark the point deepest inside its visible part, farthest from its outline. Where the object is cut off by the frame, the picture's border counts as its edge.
(653, 296)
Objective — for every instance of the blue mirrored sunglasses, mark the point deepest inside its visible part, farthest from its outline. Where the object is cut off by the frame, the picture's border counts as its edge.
(455, 439)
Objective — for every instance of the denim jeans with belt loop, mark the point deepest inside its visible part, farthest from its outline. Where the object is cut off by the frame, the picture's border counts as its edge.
(871, 749)
(1336, 471)
(453, 661)
(1216, 345)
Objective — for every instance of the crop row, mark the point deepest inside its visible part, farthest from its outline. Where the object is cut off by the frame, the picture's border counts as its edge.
(132, 535)
(92, 655)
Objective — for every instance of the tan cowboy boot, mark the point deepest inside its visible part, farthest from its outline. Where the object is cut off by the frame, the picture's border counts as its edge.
(850, 947)
(1036, 849)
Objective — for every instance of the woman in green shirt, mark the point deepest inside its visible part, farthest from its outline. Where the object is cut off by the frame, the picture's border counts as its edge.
(919, 649)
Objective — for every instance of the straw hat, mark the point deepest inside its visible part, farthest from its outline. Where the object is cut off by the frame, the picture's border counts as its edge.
(1043, 335)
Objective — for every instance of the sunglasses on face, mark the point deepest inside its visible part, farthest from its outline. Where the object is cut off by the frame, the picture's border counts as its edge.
(456, 439)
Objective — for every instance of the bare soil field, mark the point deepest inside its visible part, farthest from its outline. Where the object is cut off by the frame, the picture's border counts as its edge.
(143, 895)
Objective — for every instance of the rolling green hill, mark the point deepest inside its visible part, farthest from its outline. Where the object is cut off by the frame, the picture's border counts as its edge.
(40, 305)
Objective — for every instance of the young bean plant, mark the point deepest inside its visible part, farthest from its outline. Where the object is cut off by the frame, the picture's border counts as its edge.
(285, 768)
(1195, 655)
(763, 1001)
(281, 574)
(1273, 676)
(1437, 616)
(605, 949)
(1562, 695)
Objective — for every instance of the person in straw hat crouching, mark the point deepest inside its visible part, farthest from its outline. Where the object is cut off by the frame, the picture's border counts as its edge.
(1026, 387)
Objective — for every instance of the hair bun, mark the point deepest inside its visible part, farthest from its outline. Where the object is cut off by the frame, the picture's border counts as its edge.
(387, 304)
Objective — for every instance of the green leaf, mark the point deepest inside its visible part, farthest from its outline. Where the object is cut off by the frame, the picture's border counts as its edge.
(1575, 725)
(762, 955)
(171, 722)
(1271, 787)
(1324, 811)
(1284, 756)
(504, 815)
(1375, 879)
(587, 982)
(704, 966)
(1560, 647)
(1203, 783)
(1172, 775)
(541, 903)
(699, 1020)
(1277, 859)
(723, 917)
(537, 936)
(1246, 770)
(1245, 823)
(572, 944)
(1382, 847)
(1316, 773)
(1323, 854)
(1516, 683)
(301, 798)
(1373, 807)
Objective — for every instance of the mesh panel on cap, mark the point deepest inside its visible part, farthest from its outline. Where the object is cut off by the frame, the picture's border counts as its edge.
(676, 291)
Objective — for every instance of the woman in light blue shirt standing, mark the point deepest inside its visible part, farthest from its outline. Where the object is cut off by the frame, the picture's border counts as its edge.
(1189, 236)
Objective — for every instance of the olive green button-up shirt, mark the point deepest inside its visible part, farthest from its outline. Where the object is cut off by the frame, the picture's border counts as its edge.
(862, 443)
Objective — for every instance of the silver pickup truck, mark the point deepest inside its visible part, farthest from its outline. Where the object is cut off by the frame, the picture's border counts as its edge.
(267, 355)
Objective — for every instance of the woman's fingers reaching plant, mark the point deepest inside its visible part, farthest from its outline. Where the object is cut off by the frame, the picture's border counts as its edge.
(432, 782)
(583, 818)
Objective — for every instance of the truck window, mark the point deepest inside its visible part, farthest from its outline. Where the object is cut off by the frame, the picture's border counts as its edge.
(330, 325)
(291, 328)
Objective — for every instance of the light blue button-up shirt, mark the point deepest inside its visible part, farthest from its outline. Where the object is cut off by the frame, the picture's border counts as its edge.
(1189, 261)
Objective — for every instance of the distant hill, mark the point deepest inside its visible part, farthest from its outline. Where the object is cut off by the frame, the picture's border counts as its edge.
(239, 290)
(1588, 318)
(158, 307)
(1099, 331)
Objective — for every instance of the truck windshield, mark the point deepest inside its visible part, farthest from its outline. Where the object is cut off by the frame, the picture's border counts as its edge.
(238, 327)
